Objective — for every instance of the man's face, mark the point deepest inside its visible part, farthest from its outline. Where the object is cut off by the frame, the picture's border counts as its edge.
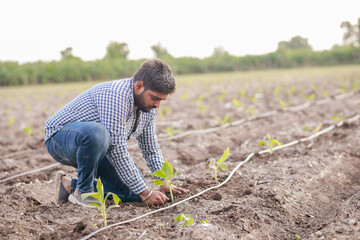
(145, 100)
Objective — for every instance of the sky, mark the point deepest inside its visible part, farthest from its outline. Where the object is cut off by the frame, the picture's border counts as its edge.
(40, 29)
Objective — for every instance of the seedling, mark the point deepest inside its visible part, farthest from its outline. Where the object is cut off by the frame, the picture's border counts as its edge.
(236, 103)
(11, 121)
(225, 120)
(251, 110)
(314, 130)
(219, 163)
(167, 174)
(204, 221)
(310, 98)
(242, 93)
(325, 93)
(184, 97)
(171, 130)
(202, 109)
(339, 118)
(283, 104)
(271, 142)
(297, 236)
(188, 220)
(28, 130)
(163, 112)
(99, 195)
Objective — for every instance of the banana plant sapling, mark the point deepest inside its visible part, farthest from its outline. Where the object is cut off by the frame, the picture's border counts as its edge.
(167, 174)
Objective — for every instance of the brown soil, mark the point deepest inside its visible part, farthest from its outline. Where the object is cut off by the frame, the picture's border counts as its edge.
(309, 191)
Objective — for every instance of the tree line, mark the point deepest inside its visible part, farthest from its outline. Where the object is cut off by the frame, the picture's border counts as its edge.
(296, 52)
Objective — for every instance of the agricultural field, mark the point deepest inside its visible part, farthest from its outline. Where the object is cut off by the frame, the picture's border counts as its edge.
(306, 190)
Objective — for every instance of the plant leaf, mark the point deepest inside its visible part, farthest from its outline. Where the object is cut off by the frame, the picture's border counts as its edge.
(92, 194)
(261, 143)
(168, 169)
(224, 156)
(191, 221)
(176, 173)
(159, 182)
(222, 166)
(159, 173)
(95, 204)
(116, 199)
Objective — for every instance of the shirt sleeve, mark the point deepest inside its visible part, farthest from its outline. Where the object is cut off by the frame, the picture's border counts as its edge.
(149, 146)
(113, 109)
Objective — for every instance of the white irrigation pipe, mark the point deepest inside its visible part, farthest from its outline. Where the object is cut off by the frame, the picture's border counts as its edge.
(339, 124)
(29, 172)
(234, 123)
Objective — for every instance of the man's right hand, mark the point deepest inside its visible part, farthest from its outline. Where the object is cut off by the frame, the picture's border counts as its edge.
(157, 198)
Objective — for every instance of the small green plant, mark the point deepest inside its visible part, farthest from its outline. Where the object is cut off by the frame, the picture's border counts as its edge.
(188, 220)
(163, 112)
(28, 130)
(223, 121)
(219, 163)
(184, 97)
(203, 108)
(171, 131)
(11, 121)
(204, 221)
(236, 103)
(99, 195)
(297, 236)
(310, 98)
(325, 93)
(251, 110)
(339, 118)
(283, 104)
(167, 174)
(314, 130)
(271, 142)
(242, 93)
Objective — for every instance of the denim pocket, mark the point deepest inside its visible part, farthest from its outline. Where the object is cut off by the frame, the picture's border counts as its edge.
(57, 152)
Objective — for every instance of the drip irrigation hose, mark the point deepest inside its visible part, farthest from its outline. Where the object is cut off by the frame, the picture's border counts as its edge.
(339, 124)
(234, 123)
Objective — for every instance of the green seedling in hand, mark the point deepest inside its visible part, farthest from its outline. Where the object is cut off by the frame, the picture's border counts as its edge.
(271, 142)
(339, 118)
(99, 195)
(225, 120)
(167, 174)
(314, 130)
(219, 163)
(188, 220)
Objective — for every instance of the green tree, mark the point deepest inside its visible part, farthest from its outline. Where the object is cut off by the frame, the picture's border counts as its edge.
(67, 53)
(296, 42)
(117, 50)
(352, 33)
(160, 51)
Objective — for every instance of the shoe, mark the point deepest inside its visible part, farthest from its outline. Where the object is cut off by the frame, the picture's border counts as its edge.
(76, 199)
(61, 195)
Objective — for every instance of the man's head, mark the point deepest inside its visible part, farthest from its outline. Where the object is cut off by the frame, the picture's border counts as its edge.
(153, 82)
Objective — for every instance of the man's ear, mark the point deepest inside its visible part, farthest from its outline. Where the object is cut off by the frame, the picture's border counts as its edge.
(139, 87)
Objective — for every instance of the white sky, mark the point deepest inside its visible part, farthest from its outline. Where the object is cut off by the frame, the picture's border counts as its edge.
(40, 29)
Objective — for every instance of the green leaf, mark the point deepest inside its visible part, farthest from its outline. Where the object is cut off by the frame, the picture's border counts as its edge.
(176, 173)
(92, 194)
(274, 141)
(112, 206)
(168, 169)
(159, 182)
(95, 204)
(222, 166)
(191, 221)
(204, 221)
(159, 173)
(116, 199)
(261, 143)
(224, 156)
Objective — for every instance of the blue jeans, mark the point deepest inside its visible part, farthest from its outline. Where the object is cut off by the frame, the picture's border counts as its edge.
(84, 145)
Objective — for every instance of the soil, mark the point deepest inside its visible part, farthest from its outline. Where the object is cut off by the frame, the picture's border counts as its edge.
(307, 191)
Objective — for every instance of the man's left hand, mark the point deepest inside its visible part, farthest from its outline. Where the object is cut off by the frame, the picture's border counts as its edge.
(175, 189)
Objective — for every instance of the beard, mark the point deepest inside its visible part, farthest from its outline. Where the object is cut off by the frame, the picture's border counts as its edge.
(140, 103)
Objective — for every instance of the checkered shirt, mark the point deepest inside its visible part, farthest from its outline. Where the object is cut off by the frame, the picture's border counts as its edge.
(112, 104)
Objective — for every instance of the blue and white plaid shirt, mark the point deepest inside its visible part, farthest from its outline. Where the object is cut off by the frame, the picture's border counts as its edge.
(112, 104)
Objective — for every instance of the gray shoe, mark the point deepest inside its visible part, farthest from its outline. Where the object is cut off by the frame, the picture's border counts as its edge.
(76, 199)
(61, 195)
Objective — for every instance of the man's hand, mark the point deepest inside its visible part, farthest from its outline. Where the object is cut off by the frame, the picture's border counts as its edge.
(157, 198)
(175, 189)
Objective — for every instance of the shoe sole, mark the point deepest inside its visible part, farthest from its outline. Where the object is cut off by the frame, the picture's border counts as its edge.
(73, 200)
(58, 182)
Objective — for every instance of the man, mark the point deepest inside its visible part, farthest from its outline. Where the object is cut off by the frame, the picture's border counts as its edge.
(90, 133)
